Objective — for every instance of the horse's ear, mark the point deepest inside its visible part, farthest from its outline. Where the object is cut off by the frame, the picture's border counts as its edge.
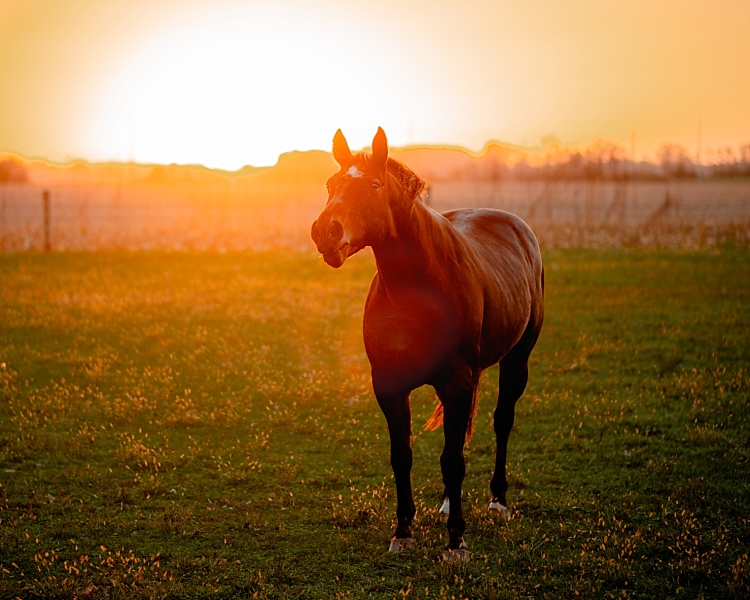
(341, 151)
(380, 148)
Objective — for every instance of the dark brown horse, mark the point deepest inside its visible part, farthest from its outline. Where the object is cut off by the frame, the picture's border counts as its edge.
(454, 293)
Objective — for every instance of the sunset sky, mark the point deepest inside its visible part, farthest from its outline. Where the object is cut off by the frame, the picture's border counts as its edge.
(227, 82)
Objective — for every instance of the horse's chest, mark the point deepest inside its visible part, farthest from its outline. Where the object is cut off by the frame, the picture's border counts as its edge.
(415, 334)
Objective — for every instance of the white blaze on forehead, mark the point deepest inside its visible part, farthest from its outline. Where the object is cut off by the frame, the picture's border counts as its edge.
(354, 172)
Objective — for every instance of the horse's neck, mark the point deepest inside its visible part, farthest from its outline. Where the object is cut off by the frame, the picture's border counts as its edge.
(404, 258)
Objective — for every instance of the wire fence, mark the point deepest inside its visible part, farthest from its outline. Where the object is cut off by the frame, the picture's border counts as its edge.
(680, 213)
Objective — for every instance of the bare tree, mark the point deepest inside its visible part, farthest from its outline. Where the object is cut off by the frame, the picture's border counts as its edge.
(675, 162)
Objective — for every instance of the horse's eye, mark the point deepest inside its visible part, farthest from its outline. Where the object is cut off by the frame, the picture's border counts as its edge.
(376, 185)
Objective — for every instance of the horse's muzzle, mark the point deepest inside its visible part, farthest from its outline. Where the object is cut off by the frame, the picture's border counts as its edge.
(328, 240)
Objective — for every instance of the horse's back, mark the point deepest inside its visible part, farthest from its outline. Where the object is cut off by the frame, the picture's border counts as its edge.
(498, 237)
(508, 253)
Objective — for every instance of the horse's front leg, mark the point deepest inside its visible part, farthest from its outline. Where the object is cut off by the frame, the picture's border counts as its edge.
(397, 412)
(457, 398)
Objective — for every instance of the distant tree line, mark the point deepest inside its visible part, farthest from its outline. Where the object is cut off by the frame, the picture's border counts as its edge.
(12, 171)
(608, 161)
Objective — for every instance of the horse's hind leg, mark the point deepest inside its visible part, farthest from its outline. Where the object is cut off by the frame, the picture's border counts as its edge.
(514, 375)
(397, 413)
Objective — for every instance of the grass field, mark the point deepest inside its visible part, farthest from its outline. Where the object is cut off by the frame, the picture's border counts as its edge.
(191, 425)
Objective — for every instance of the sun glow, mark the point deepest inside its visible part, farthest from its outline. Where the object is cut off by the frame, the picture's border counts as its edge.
(233, 82)
(241, 89)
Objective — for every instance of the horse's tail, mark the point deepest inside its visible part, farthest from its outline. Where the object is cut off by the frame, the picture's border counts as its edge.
(436, 420)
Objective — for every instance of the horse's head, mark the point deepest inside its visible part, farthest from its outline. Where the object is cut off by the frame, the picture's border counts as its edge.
(357, 213)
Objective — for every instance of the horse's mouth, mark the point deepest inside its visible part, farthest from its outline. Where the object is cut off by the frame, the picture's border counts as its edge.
(338, 257)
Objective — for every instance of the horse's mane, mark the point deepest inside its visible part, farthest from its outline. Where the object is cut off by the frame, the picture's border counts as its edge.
(412, 184)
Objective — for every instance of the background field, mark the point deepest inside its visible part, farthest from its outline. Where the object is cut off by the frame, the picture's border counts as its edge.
(201, 424)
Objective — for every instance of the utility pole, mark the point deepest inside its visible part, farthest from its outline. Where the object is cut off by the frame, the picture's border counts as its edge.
(698, 151)
(45, 199)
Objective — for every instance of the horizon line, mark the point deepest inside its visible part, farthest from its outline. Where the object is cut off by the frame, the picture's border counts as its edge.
(544, 144)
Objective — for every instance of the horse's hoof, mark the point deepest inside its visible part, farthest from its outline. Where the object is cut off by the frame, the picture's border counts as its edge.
(460, 554)
(401, 544)
(499, 510)
(445, 511)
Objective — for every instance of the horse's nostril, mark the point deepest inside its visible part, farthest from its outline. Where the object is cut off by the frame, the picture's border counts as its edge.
(335, 231)
(314, 232)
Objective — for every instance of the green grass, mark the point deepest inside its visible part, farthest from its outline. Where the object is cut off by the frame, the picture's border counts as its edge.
(192, 425)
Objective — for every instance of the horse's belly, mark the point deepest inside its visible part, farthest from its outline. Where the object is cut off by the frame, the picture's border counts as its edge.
(507, 313)
(500, 334)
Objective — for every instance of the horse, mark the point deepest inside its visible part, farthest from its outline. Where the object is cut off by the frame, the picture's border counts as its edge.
(454, 293)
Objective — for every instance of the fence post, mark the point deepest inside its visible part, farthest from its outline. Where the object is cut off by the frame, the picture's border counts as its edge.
(47, 245)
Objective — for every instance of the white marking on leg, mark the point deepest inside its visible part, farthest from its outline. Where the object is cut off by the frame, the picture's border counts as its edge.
(445, 510)
(354, 172)
(495, 508)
